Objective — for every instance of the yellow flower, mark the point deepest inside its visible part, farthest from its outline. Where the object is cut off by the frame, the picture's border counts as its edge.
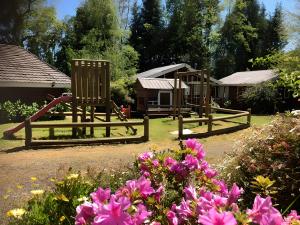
(83, 199)
(37, 192)
(17, 213)
(33, 178)
(19, 186)
(62, 197)
(5, 197)
(62, 218)
(73, 176)
(52, 179)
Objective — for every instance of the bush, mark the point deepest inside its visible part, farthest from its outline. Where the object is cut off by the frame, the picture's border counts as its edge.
(17, 111)
(261, 98)
(173, 187)
(272, 152)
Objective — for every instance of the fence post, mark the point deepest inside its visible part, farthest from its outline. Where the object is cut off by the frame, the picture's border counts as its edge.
(146, 128)
(209, 126)
(180, 127)
(249, 117)
(28, 132)
(51, 133)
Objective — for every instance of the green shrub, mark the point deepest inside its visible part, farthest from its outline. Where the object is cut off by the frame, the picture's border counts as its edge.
(272, 152)
(261, 98)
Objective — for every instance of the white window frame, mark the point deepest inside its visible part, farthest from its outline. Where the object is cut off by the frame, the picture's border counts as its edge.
(170, 92)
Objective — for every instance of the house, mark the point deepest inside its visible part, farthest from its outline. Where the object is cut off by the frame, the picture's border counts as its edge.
(232, 86)
(23, 76)
(155, 88)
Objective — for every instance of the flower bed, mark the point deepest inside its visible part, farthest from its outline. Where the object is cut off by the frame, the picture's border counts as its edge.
(182, 189)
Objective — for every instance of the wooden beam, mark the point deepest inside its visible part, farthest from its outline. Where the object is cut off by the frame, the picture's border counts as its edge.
(28, 132)
(107, 97)
(86, 124)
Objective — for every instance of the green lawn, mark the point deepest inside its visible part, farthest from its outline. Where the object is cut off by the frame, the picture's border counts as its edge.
(160, 129)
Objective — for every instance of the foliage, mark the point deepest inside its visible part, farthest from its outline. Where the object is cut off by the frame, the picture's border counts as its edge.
(17, 111)
(272, 152)
(261, 98)
(288, 67)
(122, 91)
(247, 33)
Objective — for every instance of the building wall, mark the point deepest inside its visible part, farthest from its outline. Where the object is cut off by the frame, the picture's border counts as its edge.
(28, 95)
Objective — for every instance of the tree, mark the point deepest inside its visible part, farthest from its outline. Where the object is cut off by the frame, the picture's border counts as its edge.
(42, 33)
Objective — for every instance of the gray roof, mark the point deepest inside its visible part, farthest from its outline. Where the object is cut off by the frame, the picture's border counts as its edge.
(156, 72)
(160, 83)
(20, 68)
(248, 78)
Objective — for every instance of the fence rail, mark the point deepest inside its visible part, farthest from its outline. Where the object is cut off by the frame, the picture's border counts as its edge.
(209, 121)
(30, 142)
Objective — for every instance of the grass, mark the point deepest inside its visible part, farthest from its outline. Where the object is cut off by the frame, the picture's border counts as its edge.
(160, 129)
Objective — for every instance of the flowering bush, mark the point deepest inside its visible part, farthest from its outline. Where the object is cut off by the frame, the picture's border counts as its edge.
(273, 152)
(182, 189)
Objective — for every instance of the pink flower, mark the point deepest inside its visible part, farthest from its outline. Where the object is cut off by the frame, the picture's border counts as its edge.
(100, 196)
(196, 146)
(223, 187)
(234, 194)
(169, 162)
(191, 162)
(271, 219)
(172, 218)
(155, 223)
(191, 143)
(158, 193)
(84, 213)
(215, 218)
(190, 193)
(262, 207)
(111, 214)
(155, 163)
(142, 186)
(144, 156)
(204, 165)
(292, 217)
(184, 209)
(210, 173)
(141, 215)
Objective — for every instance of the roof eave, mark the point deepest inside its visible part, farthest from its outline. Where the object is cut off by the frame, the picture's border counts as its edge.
(35, 84)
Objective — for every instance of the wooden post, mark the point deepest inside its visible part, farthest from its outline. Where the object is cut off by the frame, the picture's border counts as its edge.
(107, 98)
(175, 96)
(249, 117)
(51, 133)
(201, 97)
(209, 126)
(74, 94)
(207, 98)
(28, 132)
(146, 128)
(179, 96)
(83, 119)
(180, 127)
(92, 120)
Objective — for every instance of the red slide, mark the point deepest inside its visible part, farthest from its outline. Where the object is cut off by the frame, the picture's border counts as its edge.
(37, 115)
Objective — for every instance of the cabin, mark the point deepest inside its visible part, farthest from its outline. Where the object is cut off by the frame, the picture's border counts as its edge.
(232, 86)
(23, 76)
(155, 89)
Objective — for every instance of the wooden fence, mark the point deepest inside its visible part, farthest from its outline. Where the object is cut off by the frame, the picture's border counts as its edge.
(30, 142)
(209, 121)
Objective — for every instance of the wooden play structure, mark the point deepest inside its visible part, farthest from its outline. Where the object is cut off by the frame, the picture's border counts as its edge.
(90, 85)
(198, 97)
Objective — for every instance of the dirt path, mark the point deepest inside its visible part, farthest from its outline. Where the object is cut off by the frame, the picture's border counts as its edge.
(18, 166)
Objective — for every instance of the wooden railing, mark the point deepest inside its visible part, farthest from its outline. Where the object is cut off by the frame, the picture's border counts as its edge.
(30, 142)
(209, 121)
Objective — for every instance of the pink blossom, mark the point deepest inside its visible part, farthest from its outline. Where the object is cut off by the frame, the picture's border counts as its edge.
(191, 143)
(111, 214)
(155, 163)
(169, 162)
(222, 187)
(262, 207)
(210, 173)
(100, 195)
(84, 213)
(271, 219)
(142, 186)
(292, 217)
(191, 162)
(215, 218)
(234, 194)
(144, 156)
(190, 193)
(184, 209)
(155, 223)
(179, 169)
(141, 215)
(204, 165)
(172, 218)
(158, 193)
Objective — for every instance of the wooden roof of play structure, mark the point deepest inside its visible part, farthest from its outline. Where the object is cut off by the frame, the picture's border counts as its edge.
(248, 78)
(20, 68)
